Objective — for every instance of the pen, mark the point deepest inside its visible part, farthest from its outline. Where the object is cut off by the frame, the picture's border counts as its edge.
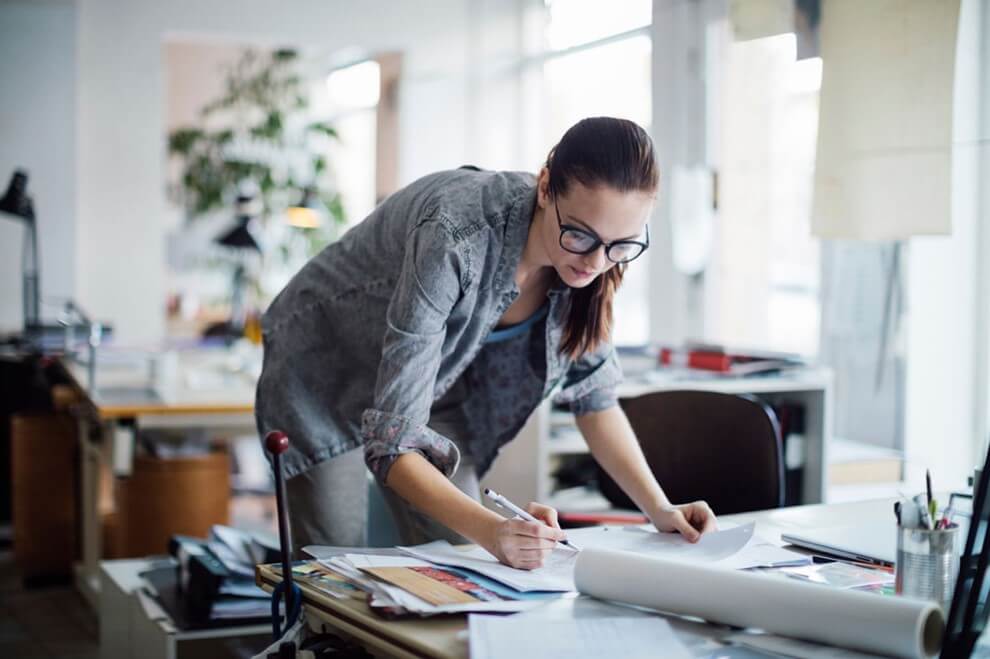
(502, 502)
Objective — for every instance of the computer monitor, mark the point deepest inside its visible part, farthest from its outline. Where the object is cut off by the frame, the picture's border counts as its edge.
(969, 610)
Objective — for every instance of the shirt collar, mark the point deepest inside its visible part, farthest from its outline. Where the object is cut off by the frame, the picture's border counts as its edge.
(517, 223)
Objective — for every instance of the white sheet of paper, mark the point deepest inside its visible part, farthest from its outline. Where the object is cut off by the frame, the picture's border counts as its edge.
(710, 548)
(532, 635)
(558, 573)
(378, 560)
(762, 553)
(734, 548)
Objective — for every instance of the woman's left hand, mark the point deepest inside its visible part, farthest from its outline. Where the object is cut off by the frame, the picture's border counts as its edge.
(689, 519)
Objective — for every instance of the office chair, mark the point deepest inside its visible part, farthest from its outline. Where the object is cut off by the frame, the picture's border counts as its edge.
(722, 448)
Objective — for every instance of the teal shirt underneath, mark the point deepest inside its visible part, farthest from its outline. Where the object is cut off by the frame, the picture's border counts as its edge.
(512, 331)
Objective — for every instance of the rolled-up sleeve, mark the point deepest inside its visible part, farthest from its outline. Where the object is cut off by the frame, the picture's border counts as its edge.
(428, 286)
(591, 381)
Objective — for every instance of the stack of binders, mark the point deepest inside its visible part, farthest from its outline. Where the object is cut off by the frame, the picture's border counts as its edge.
(211, 583)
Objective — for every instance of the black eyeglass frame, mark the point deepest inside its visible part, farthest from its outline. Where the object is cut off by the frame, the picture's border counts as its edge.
(598, 242)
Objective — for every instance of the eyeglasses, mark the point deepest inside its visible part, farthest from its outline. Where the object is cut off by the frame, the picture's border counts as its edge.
(581, 241)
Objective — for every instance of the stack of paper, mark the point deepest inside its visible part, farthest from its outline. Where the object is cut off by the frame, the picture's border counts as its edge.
(736, 548)
(401, 584)
(557, 575)
(328, 582)
(440, 578)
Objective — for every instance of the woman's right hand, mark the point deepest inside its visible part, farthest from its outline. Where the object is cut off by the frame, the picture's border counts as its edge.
(526, 545)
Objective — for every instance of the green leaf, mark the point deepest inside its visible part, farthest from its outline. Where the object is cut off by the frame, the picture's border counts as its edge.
(270, 128)
(182, 140)
(266, 182)
(323, 128)
(223, 136)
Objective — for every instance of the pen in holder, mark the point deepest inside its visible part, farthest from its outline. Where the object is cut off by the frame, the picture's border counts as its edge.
(927, 563)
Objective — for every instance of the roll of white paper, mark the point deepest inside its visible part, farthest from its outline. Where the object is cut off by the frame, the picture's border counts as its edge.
(865, 621)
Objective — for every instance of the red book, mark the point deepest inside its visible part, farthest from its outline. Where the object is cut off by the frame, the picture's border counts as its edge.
(717, 361)
(612, 517)
(703, 359)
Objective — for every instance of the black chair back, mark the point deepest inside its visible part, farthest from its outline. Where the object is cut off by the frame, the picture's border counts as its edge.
(722, 448)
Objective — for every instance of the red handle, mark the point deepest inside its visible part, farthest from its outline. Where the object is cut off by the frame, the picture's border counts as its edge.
(277, 442)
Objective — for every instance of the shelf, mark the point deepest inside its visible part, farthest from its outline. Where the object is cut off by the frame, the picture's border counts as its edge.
(858, 463)
(795, 380)
(580, 499)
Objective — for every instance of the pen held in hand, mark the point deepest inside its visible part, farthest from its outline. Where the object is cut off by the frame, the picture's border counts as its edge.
(502, 502)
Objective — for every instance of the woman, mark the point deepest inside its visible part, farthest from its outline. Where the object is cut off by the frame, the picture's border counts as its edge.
(421, 341)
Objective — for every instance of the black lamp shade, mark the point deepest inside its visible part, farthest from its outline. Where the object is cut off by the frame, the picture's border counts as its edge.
(17, 203)
(16, 200)
(239, 236)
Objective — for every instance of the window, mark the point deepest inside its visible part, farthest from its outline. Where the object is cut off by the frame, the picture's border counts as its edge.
(576, 22)
(765, 271)
(352, 96)
(598, 63)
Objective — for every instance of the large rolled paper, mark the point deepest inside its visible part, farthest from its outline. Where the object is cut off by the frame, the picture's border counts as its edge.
(864, 621)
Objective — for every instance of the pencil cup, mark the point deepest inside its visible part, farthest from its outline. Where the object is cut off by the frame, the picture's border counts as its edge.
(927, 563)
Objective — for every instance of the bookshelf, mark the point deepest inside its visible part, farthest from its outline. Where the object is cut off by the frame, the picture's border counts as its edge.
(525, 466)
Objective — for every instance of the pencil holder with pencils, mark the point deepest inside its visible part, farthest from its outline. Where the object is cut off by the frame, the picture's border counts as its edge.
(927, 562)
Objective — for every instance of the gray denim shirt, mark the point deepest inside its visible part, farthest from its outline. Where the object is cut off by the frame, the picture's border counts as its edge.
(379, 325)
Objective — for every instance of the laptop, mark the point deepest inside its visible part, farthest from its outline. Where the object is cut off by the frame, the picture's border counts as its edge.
(875, 544)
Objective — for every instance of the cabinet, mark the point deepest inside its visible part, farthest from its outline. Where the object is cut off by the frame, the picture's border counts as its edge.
(133, 623)
(524, 468)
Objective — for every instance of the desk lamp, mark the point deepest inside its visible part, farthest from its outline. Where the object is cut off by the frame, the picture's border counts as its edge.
(18, 204)
(240, 238)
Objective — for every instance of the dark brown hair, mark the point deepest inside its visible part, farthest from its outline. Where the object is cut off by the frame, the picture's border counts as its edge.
(599, 151)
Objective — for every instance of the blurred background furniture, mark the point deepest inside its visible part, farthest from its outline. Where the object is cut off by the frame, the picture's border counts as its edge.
(209, 391)
(723, 448)
(43, 451)
(133, 624)
(164, 497)
(529, 466)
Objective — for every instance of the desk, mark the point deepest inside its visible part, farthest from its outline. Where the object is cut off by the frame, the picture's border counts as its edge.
(203, 388)
(441, 638)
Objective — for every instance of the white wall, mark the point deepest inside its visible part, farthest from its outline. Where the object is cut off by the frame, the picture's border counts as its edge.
(946, 343)
(121, 205)
(37, 132)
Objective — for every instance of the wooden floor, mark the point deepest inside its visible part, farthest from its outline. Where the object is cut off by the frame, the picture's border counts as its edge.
(45, 621)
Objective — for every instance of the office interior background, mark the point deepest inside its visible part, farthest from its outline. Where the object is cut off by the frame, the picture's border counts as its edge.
(110, 107)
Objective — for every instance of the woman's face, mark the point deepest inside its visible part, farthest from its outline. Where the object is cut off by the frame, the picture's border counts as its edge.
(602, 211)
